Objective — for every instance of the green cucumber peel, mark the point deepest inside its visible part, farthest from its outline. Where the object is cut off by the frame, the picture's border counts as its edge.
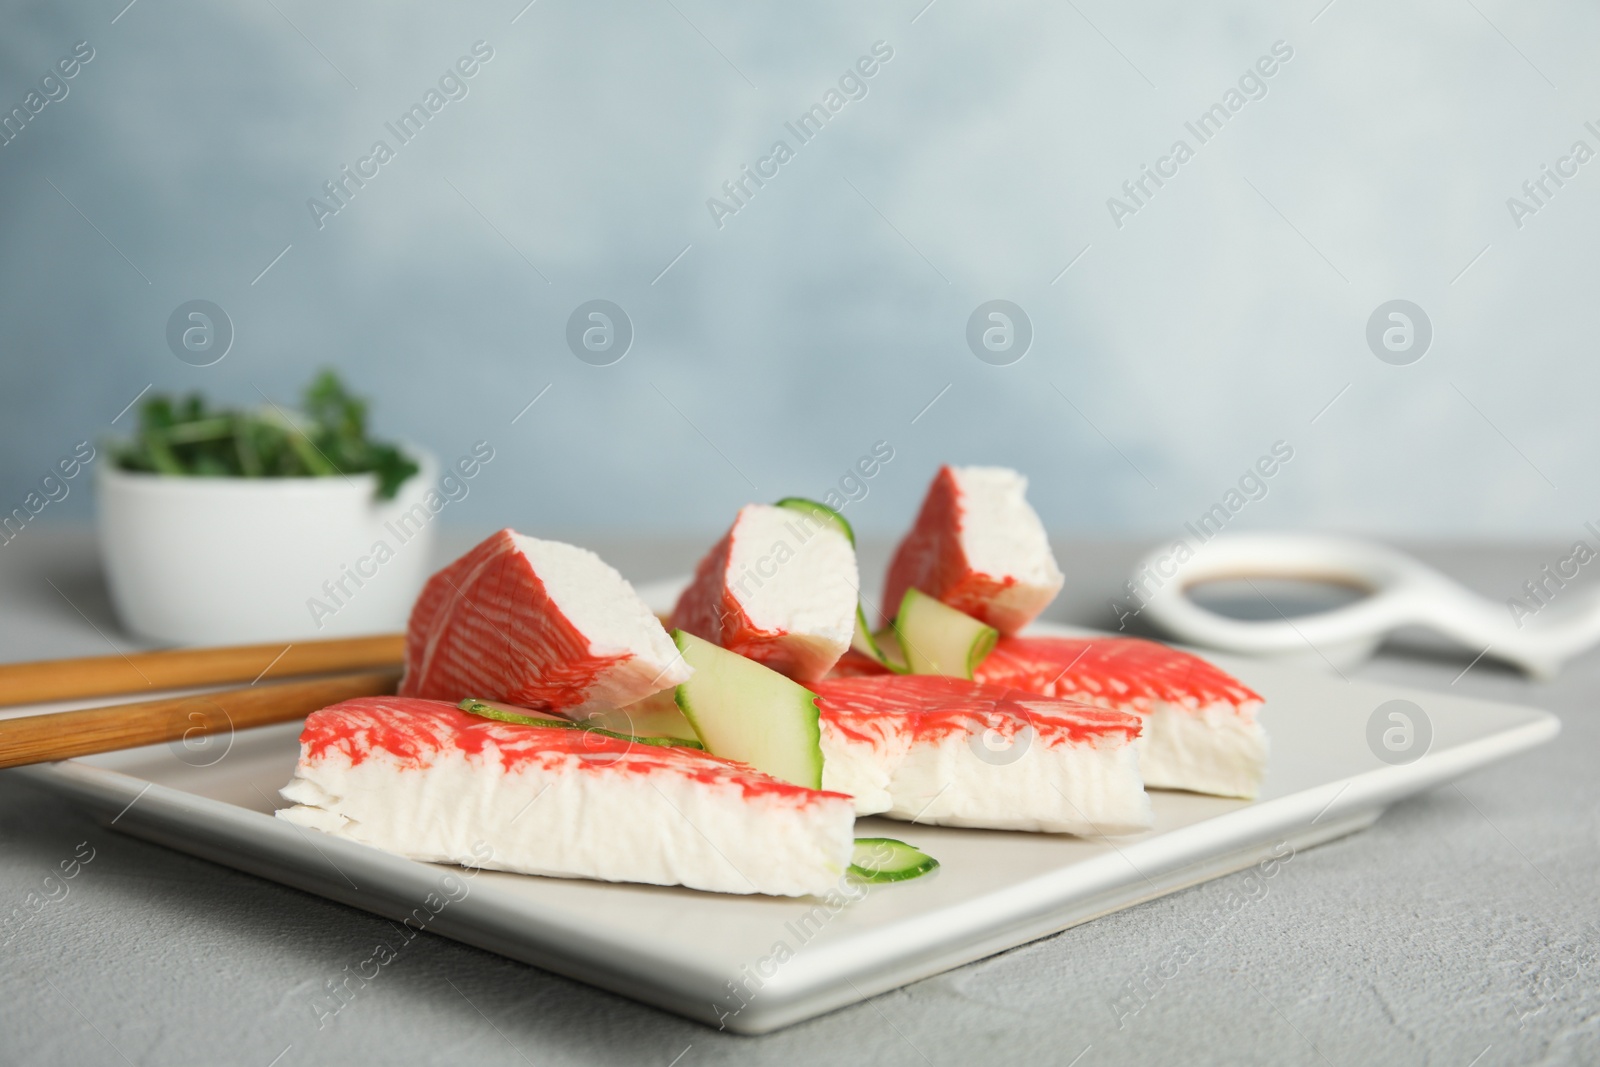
(884, 859)
(877, 645)
(488, 709)
(820, 512)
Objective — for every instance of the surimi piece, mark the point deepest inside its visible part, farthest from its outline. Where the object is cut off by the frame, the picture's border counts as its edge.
(1200, 728)
(979, 547)
(779, 588)
(539, 624)
(952, 752)
(425, 780)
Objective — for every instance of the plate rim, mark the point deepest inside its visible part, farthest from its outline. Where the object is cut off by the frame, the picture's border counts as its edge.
(829, 975)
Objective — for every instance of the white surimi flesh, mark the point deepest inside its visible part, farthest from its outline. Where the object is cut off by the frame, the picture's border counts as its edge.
(1019, 763)
(459, 789)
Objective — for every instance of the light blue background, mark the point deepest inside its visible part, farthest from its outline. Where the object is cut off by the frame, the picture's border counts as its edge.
(827, 314)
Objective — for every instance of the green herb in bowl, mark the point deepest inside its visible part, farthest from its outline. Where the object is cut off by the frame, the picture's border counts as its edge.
(185, 438)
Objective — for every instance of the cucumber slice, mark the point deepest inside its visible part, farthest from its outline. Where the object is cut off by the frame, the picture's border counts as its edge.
(745, 711)
(938, 639)
(881, 646)
(821, 512)
(883, 859)
(654, 716)
(494, 709)
(490, 709)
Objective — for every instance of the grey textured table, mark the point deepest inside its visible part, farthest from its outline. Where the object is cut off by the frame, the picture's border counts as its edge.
(1459, 930)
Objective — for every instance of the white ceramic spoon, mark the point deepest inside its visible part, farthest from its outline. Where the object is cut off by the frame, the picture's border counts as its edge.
(1401, 592)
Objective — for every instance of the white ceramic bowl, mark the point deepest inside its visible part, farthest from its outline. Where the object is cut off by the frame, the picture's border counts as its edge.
(240, 560)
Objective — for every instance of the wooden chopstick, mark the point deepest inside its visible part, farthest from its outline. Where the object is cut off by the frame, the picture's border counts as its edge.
(67, 734)
(180, 668)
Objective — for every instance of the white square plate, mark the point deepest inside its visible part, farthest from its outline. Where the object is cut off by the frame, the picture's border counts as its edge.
(754, 964)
